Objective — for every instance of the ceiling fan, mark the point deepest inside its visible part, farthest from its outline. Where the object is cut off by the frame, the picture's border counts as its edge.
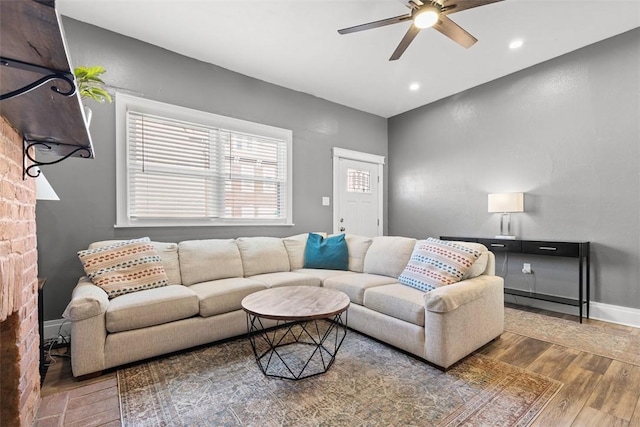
(425, 14)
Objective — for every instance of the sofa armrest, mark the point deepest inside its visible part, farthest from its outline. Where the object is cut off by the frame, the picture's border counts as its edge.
(450, 297)
(87, 311)
(87, 300)
(462, 317)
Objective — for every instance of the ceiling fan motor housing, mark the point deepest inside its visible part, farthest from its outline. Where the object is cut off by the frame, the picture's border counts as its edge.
(427, 15)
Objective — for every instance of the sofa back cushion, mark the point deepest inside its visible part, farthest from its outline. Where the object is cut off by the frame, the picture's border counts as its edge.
(210, 259)
(261, 255)
(168, 253)
(388, 255)
(295, 246)
(358, 246)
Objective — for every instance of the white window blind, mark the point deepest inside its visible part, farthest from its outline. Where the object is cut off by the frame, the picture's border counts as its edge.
(183, 172)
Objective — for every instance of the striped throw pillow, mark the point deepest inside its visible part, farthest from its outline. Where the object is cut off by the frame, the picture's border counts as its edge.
(435, 263)
(124, 267)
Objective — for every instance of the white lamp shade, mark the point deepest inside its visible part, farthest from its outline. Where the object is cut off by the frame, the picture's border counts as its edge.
(506, 202)
(44, 190)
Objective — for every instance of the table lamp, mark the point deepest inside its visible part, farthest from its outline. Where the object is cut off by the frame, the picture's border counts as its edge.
(44, 191)
(505, 203)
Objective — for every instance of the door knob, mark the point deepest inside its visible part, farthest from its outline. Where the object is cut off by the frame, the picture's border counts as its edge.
(342, 228)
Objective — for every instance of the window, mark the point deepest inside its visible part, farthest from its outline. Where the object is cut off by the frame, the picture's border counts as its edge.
(358, 181)
(177, 166)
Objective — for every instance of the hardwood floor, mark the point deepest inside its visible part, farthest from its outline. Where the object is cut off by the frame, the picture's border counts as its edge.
(597, 391)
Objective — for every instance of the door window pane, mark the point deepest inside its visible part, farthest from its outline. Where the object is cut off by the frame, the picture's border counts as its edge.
(358, 181)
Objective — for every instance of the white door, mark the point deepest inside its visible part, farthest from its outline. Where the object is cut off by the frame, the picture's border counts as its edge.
(357, 193)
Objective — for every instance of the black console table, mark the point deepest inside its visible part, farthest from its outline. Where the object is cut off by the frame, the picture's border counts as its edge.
(578, 250)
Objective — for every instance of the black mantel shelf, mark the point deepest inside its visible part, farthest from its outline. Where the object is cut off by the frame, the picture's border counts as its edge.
(30, 33)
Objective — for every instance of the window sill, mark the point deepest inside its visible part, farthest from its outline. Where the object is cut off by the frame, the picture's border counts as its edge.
(205, 224)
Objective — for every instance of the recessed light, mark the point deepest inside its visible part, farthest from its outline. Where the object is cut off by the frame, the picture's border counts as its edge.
(515, 44)
(414, 86)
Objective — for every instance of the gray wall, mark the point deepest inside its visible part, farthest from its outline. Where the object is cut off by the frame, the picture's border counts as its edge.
(86, 211)
(565, 132)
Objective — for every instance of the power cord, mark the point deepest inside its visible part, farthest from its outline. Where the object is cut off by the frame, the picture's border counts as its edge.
(505, 264)
(532, 287)
(58, 342)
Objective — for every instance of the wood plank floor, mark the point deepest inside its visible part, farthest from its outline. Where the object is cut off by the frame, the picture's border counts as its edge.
(597, 391)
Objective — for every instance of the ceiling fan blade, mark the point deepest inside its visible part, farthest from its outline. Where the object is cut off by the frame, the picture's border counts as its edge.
(453, 6)
(375, 24)
(455, 32)
(412, 4)
(405, 42)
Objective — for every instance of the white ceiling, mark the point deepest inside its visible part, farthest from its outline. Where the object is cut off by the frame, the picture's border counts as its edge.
(295, 44)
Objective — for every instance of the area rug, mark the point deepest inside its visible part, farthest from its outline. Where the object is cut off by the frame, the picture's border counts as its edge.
(370, 384)
(600, 340)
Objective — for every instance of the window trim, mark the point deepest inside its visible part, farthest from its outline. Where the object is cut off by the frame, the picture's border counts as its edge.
(125, 102)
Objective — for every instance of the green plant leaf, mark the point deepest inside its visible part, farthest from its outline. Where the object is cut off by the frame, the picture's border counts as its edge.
(90, 85)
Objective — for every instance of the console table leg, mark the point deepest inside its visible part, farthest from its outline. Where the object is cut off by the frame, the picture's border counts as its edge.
(588, 283)
(580, 285)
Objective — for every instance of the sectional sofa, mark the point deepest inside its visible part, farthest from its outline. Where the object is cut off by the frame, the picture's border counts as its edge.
(209, 278)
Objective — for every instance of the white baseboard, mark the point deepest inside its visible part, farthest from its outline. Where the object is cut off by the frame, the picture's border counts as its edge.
(615, 314)
(598, 311)
(52, 329)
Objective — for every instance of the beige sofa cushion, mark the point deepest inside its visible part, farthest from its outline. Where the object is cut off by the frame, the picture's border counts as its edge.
(262, 255)
(151, 307)
(354, 285)
(388, 255)
(224, 295)
(323, 274)
(287, 278)
(296, 246)
(168, 254)
(211, 259)
(396, 300)
(357, 246)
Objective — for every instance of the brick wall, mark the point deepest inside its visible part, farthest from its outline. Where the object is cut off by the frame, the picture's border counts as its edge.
(19, 340)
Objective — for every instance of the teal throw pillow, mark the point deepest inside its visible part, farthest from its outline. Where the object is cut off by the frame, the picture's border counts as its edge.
(328, 253)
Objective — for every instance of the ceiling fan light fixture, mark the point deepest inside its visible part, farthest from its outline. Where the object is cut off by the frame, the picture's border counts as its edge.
(426, 17)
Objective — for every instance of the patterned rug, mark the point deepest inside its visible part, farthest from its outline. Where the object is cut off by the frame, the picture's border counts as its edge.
(369, 384)
(600, 340)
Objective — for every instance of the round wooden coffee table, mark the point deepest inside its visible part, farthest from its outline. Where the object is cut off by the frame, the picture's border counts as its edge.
(310, 325)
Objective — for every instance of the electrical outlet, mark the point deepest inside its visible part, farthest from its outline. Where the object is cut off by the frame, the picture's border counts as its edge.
(526, 268)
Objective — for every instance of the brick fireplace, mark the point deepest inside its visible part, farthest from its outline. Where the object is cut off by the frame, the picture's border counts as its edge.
(19, 340)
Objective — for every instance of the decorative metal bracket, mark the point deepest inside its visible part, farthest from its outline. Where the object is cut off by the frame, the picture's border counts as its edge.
(49, 75)
(35, 164)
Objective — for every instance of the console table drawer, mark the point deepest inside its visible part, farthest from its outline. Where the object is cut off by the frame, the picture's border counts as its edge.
(565, 249)
(502, 245)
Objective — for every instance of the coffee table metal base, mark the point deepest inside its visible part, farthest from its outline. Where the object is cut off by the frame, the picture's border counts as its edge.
(296, 350)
